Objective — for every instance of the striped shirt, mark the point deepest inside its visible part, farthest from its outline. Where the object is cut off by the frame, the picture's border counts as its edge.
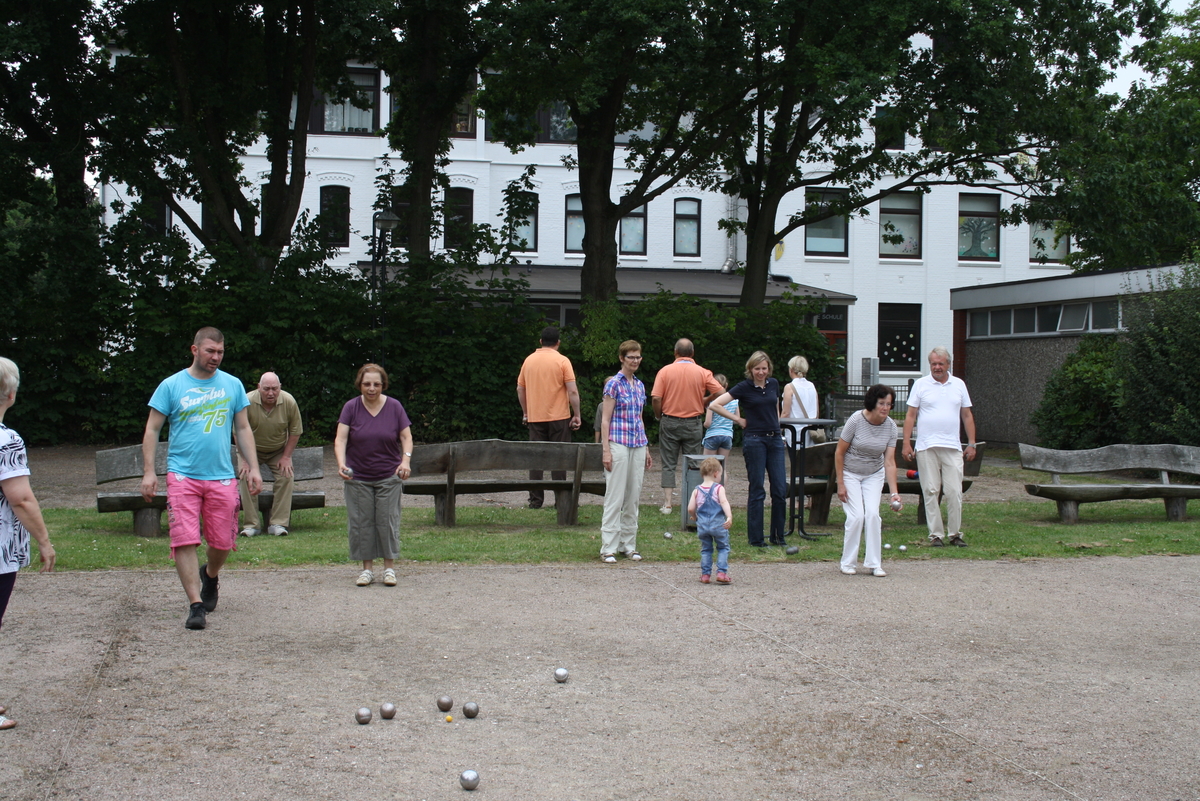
(868, 443)
(626, 427)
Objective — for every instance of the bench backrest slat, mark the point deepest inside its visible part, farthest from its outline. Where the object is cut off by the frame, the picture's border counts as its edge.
(1166, 457)
(497, 454)
(118, 464)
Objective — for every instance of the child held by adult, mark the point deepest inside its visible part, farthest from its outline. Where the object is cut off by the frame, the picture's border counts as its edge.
(709, 507)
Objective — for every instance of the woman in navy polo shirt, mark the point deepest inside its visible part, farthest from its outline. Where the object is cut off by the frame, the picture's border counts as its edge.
(758, 400)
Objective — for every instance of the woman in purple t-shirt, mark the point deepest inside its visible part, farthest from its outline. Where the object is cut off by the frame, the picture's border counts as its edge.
(373, 448)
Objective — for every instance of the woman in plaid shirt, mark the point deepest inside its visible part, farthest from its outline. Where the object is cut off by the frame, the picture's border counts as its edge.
(626, 455)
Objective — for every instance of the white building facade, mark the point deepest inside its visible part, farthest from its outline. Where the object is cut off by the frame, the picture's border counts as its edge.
(885, 300)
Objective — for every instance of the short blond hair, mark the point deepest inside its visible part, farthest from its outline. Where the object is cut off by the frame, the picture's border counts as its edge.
(798, 365)
(10, 376)
(710, 467)
(757, 357)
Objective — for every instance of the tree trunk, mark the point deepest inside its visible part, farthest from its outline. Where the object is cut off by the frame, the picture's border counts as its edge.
(760, 242)
(598, 279)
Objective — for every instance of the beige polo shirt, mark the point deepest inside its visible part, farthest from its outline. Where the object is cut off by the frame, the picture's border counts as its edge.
(273, 429)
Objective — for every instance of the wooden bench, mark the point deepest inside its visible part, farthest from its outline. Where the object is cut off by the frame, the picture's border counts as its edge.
(119, 464)
(1163, 458)
(450, 459)
(819, 461)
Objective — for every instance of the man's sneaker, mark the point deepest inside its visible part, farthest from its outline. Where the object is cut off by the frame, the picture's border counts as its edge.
(208, 589)
(250, 531)
(723, 578)
(277, 531)
(195, 618)
(365, 578)
(959, 541)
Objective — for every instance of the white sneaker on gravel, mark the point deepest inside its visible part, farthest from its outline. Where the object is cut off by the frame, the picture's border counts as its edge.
(389, 578)
(365, 578)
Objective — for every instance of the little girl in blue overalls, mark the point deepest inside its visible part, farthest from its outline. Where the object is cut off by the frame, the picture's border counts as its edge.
(709, 507)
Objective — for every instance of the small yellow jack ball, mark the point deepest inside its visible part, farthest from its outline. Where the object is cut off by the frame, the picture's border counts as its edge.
(449, 718)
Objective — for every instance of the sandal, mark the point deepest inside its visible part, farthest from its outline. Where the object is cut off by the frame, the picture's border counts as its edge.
(7, 723)
(608, 557)
(635, 556)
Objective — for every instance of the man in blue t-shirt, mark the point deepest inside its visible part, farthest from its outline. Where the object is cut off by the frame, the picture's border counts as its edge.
(203, 405)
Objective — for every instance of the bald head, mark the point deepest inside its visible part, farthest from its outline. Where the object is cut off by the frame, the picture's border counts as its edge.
(268, 390)
(685, 349)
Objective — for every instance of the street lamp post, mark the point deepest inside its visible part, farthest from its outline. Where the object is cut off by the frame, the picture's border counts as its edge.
(381, 223)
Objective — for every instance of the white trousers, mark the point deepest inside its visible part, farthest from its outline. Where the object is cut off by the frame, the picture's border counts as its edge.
(941, 470)
(622, 491)
(863, 494)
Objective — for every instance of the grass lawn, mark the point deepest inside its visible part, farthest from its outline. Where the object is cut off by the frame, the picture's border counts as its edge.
(88, 540)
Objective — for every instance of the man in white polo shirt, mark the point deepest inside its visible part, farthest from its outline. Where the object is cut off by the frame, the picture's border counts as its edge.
(942, 403)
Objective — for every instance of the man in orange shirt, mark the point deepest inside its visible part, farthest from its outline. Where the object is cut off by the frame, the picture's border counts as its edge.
(549, 401)
(682, 391)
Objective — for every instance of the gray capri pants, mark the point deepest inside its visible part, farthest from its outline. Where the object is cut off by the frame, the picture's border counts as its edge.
(373, 517)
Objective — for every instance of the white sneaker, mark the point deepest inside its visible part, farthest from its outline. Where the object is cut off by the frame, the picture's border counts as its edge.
(365, 578)
(277, 531)
(878, 572)
(389, 578)
(849, 571)
(250, 531)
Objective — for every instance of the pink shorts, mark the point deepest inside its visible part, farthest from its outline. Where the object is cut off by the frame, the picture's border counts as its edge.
(189, 499)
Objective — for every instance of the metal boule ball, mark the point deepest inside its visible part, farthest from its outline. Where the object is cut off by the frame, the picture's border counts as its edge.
(445, 702)
(904, 547)
(887, 546)
(470, 709)
(387, 711)
(560, 675)
(363, 715)
(793, 550)
(666, 535)
(469, 779)
(897, 506)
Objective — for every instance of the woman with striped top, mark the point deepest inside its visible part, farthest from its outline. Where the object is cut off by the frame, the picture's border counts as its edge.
(865, 455)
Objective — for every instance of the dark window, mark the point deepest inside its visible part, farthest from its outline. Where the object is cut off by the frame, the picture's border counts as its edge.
(825, 237)
(1025, 320)
(687, 227)
(156, 215)
(979, 227)
(574, 229)
(398, 237)
(900, 336)
(1001, 322)
(889, 129)
(208, 220)
(900, 225)
(633, 232)
(552, 124)
(1106, 315)
(345, 117)
(465, 116)
(1047, 317)
(460, 216)
(979, 324)
(527, 229)
(335, 215)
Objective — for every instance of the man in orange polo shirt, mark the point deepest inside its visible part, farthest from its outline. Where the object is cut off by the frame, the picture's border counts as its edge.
(549, 401)
(682, 390)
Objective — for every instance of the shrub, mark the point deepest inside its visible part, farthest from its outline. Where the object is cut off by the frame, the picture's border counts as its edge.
(1081, 404)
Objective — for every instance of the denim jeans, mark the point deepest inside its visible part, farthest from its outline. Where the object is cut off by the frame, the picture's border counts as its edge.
(721, 539)
(766, 456)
